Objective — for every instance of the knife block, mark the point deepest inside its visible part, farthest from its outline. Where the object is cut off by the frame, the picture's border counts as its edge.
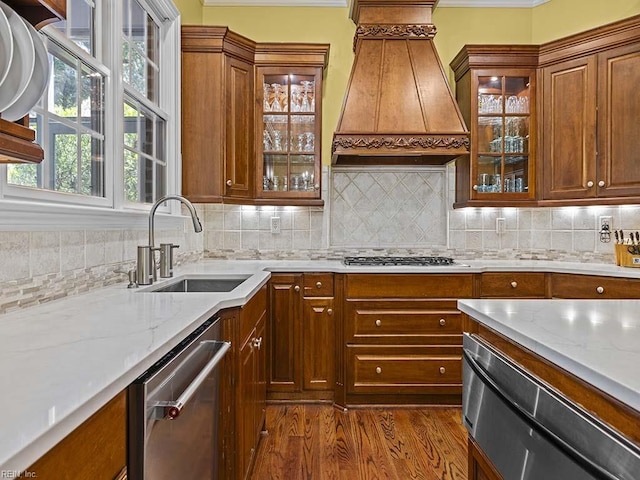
(626, 259)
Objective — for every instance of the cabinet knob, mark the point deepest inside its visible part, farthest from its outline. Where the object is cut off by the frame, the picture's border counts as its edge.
(229, 183)
(600, 289)
(316, 186)
(514, 284)
(319, 285)
(257, 342)
(601, 183)
(589, 184)
(378, 370)
(329, 311)
(442, 370)
(442, 322)
(296, 288)
(475, 187)
(378, 323)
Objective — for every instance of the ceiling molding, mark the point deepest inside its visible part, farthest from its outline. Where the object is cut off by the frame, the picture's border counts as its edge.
(491, 3)
(275, 3)
(344, 3)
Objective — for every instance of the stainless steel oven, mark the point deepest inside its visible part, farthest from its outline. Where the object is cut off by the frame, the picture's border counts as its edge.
(173, 411)
(530, 431)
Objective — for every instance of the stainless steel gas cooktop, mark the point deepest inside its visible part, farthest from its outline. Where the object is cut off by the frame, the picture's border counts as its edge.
(401, 261)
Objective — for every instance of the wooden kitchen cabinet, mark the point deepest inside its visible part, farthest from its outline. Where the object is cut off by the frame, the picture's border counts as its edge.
(238, 159)
(97, 449)
(496, 93)
(302, 331)
(513, 285)
(238, 144)
(217, 114)
(403, 338)
(243, 387)
(589, 108)
(480, 467)
(289, 130)
(593, 287)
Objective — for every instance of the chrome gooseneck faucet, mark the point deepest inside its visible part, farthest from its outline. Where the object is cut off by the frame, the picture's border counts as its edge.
(146, 267)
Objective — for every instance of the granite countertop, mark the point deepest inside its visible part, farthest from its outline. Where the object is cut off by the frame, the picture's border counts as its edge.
(596, 340)
(63, 360)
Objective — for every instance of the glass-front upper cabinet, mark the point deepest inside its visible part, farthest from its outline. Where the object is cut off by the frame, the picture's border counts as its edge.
(503, 136)
(496, 93)
(289, 127)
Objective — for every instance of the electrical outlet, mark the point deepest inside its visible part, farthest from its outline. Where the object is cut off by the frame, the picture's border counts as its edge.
(275, 224)
(501, 226)
(605, 220)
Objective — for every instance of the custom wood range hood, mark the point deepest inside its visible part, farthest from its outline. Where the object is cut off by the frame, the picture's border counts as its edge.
(398, 108)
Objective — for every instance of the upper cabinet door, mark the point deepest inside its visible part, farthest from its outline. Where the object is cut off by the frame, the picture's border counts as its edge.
(288, 137)
(569, 122)
(238, 171)
(618, 117)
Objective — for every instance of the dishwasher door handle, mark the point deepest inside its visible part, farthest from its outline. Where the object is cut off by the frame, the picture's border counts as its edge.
(171, 410)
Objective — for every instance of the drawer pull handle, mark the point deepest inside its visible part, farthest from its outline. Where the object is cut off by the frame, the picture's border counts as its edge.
(378, 323)
(329, 312)
(442, 322)
(442, 370)
(514, 284)
(378, 370)
(600, 289)
(296, 288)
(319, 285)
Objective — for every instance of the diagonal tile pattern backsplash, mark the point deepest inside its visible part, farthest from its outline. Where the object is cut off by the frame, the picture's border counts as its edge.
(383, 207)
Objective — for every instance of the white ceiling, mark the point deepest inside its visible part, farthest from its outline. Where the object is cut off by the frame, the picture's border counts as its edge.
(343, 3)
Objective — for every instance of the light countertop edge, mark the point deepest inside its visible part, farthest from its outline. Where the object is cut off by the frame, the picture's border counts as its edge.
(604, 351)
(27, 332)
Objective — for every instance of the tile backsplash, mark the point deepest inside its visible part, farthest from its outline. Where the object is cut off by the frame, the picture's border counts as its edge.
(370, 211)
(39, 266)
(408, 210)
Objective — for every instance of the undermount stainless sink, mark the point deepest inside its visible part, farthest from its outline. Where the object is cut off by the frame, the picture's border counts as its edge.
(213, 284)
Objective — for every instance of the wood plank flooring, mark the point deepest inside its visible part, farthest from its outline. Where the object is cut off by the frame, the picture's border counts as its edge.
(317, 442)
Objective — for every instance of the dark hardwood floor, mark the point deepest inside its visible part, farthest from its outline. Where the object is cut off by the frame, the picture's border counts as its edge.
(317, 442)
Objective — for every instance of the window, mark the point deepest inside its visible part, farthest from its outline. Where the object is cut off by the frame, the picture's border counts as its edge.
(111, 100)
(144, 122)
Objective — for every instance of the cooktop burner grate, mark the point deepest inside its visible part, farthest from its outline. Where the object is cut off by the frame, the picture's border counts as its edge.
(398, 261)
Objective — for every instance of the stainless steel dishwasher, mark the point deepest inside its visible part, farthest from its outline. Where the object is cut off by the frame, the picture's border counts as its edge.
(173, 411)
(530, 431)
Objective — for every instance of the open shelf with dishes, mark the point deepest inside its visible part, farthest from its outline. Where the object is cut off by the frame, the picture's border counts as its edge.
(289, 123)
(24, 74)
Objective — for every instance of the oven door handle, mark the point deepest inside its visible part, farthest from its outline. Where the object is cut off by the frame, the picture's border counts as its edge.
(171, 410)
(577, 456)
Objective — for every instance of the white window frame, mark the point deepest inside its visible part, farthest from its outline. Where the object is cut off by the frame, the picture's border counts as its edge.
(36, 209)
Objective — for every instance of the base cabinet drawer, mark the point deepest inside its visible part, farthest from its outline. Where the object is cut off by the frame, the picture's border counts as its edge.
(416, 370)
(593, 286)
(512, 285)
(403, 324)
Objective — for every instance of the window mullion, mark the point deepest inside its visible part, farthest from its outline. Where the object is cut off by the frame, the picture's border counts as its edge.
(115, 108)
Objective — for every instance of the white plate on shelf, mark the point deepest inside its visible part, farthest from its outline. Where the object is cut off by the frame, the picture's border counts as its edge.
(22, 61)
(37, 84)
(6, 46)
